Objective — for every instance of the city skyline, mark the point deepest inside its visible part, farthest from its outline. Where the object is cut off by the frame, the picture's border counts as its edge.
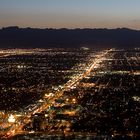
(70, 13)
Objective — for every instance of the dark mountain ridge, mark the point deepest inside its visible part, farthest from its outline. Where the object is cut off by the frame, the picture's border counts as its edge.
(15, 37)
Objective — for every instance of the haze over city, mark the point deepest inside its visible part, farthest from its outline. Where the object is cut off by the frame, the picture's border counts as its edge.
(70, 13)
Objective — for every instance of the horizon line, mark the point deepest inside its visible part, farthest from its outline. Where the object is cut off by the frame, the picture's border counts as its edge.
(14, 26)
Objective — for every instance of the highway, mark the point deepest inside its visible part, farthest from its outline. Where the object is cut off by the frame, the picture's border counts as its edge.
(16, 128)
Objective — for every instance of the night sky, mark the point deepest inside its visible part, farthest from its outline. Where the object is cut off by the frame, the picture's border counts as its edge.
(70, 13)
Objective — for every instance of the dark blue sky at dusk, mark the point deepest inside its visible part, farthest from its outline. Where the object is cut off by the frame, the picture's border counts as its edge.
(70, 13)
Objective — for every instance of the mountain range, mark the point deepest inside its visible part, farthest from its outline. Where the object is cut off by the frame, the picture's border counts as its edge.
(15, 37)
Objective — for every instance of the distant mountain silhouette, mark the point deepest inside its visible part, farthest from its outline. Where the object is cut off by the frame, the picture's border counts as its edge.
(32, 37)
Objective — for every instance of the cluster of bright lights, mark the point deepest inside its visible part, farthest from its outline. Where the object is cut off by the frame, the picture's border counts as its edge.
(136, 98)
(11, 119)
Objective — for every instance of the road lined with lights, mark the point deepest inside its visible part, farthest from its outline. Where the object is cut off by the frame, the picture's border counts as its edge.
(16, 127)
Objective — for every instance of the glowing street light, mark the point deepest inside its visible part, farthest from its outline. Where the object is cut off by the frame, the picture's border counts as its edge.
(74, 100)
(67, 99)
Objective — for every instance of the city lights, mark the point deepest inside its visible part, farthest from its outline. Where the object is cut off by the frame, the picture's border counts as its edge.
(11, 119)
(68, 92)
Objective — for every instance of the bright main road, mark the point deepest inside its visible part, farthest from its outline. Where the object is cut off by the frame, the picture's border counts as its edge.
(21, 122)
